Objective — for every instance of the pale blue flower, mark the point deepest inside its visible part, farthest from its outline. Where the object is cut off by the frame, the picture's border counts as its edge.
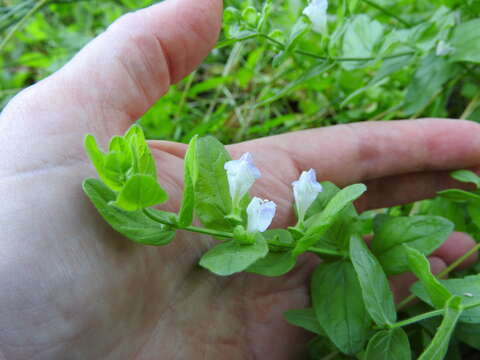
(444, 48)
(316, 11)
(260, 214)
(305, 191)
(241, 174)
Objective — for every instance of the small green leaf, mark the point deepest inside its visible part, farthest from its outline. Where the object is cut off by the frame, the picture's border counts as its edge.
(144, 162)
(389, 345)
(212, 194)
(109, 176)
(424, 233)
(140, 191)
(459, 195)
(474, 212)
(375, 289)
(230, 257)
(469, 334)
(468, 289)
(317, 225)
(299, 29)
(274, 264)
(466, 41)
(304, 318)
(467, 176)
(420, 266)
(339, 307)
(185, 217)
(439, 346)
(433, 72)
(361, 38)
(134, 225)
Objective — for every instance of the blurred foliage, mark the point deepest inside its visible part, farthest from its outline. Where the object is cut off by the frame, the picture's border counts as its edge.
(270, 72)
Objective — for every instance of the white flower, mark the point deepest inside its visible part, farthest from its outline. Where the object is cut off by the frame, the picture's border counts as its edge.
(316, 11)
(260, 214)
(444, 48)
(241, 174)
(305, 191)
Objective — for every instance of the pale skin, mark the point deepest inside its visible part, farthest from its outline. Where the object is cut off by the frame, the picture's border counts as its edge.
(72, 288)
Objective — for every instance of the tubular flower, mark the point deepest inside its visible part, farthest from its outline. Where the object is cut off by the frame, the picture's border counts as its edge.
(260, 214)
(305, 191)
(316, 11)
(241, 174)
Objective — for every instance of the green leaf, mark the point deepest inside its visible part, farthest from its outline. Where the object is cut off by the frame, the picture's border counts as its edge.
(99, 160)
(318, 224)
(424, 233)
(230, 257)
(339, 307)
(360, 40)
(212, 194)
(140, 191)
(301, 27)
(185, 217)
(474, 212)
(310, 74)
(459, 195)
(375, 289)
(466, 41)
(467, 176)
(420, 266)
(468, 289)
(439, 346)
(389, 345)
(144, 162)
(304, 318)
(134, 225)
(469, 334)
(279, 260)
(433, 72)
(274, 264)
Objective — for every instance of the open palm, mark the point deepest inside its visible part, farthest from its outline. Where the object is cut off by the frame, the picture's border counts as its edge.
(72, 288)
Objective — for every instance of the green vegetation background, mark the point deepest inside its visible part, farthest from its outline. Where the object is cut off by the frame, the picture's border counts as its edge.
(254, 88)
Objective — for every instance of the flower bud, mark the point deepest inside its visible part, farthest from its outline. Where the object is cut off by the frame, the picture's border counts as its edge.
(316, 11)
(241, 174)
(305, 191)
(260, 214)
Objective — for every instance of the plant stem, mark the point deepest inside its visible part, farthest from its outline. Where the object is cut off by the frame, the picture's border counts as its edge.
(447, 270)
(387, 12)
(459, 261)
(417, 318)
(321, 251)
(18, 25)
(228, 235)
(472, 106)
(205, 231)
(321, 57)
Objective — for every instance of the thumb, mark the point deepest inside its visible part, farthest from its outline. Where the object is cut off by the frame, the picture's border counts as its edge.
(120, 74)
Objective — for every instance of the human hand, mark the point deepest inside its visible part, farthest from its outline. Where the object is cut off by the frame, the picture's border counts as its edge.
(70, 287)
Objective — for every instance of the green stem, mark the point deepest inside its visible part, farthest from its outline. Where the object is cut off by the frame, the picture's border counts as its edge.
(205, 231)
(228, 235)
(321, 57)
(447, 270)
(196, 229)
(387, 12)
(328, 252)
(417, 318)
(471, 107)
(471, 306)
(18, 25)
